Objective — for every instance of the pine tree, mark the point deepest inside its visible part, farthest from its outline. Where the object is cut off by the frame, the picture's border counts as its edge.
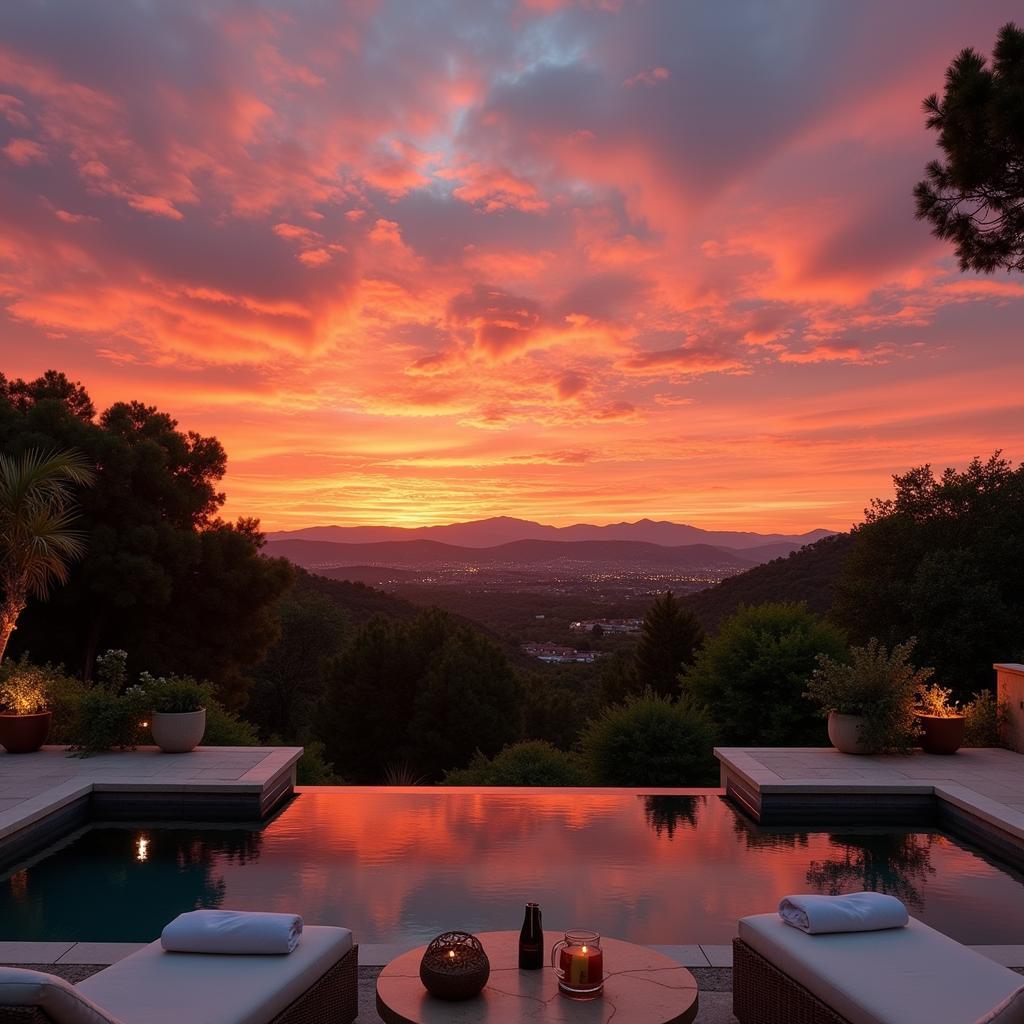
(975, 198)
(668, 644)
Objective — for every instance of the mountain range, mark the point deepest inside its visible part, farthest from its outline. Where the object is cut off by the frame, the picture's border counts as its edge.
(565, 555)
(486, 533)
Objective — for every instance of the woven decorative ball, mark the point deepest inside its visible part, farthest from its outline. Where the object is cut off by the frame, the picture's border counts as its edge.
(454, 966)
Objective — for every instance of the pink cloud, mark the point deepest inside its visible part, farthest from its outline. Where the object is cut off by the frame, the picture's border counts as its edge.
(24, 152)
(649, 77)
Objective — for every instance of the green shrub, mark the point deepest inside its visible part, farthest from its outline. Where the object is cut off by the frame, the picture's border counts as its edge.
(63, 695)
(173, 695)
(112, 671)
(880, 685)
(313, 768)
(225, 728)
(650, 741)
(66, 696)
(753, 674)
(985, 719)
(107, 721)
(532, 763)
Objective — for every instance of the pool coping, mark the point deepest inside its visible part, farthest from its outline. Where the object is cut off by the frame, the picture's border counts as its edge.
(976, 794)
(207, 784)
(380, 954)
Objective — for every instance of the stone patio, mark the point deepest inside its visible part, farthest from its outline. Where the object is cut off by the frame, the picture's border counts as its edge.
(47, 794)
(977, 792)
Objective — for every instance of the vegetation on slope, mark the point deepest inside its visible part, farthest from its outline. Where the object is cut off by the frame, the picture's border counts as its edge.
(808, 576)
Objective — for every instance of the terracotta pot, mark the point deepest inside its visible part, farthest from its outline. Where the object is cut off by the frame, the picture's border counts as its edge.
(24, 734)
(844, 732)
(178, 733)
(942, 735)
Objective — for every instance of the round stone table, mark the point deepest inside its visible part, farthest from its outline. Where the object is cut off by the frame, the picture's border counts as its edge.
(640, 987)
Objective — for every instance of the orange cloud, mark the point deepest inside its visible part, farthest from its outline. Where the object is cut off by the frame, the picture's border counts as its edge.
(539, 264)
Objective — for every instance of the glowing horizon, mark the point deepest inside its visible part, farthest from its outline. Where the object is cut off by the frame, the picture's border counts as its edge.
(572, 262)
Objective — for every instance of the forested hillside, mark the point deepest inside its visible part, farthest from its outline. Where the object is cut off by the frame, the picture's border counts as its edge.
(808, 575)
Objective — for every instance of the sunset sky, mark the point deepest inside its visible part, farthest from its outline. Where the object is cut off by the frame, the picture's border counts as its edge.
(429, 261)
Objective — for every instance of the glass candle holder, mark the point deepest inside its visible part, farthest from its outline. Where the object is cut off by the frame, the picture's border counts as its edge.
(578, 961)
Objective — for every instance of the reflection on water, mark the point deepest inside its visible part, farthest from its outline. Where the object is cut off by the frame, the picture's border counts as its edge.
(122, 884)
(900, 865)
(401, 866)
(667, 813)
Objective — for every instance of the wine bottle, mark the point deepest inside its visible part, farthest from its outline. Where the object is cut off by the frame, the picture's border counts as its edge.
(531, 940)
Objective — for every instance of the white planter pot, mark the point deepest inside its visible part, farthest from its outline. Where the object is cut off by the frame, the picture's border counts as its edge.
(844, 732)
(178, 733)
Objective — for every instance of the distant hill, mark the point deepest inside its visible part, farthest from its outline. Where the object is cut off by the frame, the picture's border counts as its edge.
(359, 602)
(486, 533)
(520, 554)
(805, 575)
(372, 575)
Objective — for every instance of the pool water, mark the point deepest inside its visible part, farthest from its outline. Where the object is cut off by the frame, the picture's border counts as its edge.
(403, 865)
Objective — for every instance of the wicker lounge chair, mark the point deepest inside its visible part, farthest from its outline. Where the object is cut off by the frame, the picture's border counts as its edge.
(912, 975)
(317, 984)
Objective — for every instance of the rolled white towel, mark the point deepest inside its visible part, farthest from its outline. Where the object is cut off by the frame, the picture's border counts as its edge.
(855, 912)
(232, 931)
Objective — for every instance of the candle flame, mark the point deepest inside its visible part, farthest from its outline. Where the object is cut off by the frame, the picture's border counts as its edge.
(584, 949)
(451, 952)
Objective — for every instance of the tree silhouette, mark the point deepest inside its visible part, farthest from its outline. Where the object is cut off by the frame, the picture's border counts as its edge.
(942, 560)
(975, 198)
(160, 564)
(668, 644)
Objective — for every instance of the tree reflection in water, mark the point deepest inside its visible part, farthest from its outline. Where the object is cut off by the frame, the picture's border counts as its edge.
(755, 837)
(665, 814)
(897, 864)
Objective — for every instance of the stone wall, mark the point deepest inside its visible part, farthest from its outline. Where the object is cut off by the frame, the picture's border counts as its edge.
(1010, 687)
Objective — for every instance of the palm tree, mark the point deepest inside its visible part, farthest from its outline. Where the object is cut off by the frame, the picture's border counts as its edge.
(37, 543)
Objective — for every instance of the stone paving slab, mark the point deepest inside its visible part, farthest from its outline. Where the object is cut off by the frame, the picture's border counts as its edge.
(688, 956)
(34, 786)
(98, 952)
(33, 952)
(718, 956)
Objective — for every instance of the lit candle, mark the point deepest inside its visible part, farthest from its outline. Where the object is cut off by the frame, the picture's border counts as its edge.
(579, 967)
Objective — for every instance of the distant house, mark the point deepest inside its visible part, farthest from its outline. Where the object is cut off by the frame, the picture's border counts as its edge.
(558, 653)
(608, 625)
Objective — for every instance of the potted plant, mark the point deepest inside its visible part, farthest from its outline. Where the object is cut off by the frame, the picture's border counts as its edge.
(178, 712)
(25, 714)
(870, 700)
(942, 721)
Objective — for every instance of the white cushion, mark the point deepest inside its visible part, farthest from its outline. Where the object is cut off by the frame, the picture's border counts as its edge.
(912, 975)
(1009, 1011)
(61, 1001)
(156, 987)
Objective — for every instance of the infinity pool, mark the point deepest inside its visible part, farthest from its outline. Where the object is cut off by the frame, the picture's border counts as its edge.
(403, 865)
